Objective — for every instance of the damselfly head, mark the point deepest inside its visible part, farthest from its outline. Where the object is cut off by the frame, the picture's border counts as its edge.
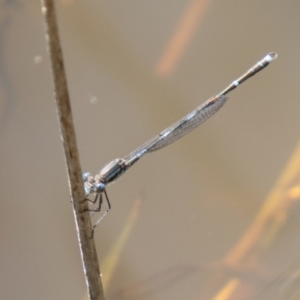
(93, 185)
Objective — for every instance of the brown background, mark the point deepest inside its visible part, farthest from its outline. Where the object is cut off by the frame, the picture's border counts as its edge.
(198, 196)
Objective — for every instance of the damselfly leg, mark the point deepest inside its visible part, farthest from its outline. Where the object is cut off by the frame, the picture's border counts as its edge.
(98, 196)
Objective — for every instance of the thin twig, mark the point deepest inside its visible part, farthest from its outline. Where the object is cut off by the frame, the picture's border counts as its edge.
(82, 220)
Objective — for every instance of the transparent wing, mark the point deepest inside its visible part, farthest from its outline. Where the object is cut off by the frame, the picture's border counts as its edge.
(181, 127)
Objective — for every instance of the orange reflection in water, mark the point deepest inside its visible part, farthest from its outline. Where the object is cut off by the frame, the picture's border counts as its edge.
(262, 232)
(227, 290)
(181, 37)
(110, 262)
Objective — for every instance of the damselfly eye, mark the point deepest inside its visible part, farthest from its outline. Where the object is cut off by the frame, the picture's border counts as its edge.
(85, 176)
(99, 187)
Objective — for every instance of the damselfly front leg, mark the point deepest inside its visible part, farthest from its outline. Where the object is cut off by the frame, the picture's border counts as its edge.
(94, 200)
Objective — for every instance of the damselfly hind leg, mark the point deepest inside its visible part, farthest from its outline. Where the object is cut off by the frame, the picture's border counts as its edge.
(99, 208)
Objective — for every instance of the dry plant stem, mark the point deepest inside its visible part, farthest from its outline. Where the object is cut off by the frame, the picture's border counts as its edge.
(82, 220)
